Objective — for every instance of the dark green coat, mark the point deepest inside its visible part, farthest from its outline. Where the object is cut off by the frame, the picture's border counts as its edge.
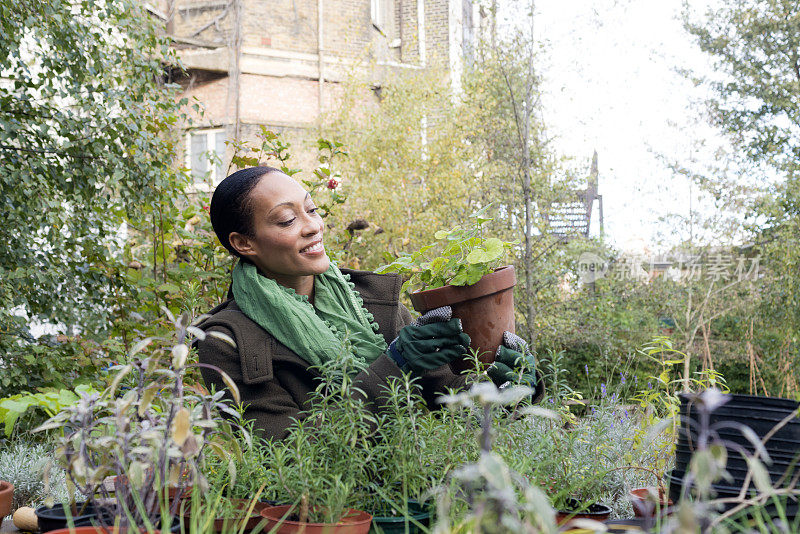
(275, 383)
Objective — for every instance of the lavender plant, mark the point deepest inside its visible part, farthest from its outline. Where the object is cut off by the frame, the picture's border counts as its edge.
(487, 495)
(23, 465)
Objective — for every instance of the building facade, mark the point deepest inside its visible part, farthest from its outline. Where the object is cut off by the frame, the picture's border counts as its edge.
(280, 63)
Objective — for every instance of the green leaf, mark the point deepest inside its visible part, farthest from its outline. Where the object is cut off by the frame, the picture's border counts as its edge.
(493, 247)
(477, 255)
(168, 287)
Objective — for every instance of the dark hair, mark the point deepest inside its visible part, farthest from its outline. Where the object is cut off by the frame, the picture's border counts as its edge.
(231, 207)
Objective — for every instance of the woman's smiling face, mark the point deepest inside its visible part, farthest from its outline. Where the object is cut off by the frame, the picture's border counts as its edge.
(286, 244)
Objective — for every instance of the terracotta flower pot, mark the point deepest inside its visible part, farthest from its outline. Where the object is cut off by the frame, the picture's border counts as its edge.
(644, 502)
(486, 310)
(95, 530)
(6, 497)
(353, 522)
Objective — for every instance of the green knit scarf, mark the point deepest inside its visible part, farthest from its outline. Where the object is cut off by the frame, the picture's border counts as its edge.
(319, 332)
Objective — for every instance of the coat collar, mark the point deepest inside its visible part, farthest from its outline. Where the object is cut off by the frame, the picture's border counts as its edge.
(259, 351)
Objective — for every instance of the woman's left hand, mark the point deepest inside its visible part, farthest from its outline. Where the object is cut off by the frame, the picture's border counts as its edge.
(513, 363)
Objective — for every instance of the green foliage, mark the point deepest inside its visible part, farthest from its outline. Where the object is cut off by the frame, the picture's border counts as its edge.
(85, 116)
(753, 86)
(326, 455)
(488, 494)
(463, 257)
(51, 362)
(24, 465)
(753, 45)
(660, 399)
(99, 232)
(555, 376)
(49, 401)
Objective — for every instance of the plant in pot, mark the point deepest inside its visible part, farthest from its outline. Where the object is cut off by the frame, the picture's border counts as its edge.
(214, 511)
(558, 459)
(400, 473)
(321, 463)
(488, 495)
(233, 501)
(145, 430)
(465, 270)
(574, 491)
(647, 501)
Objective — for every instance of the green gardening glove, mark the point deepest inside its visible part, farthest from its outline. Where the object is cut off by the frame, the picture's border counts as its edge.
(432, 341)
(513, 363)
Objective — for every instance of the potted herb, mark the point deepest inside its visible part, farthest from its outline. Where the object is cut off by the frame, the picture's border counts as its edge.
(465, 270)
(324, 459)
(575, 509)
(495, 497)
(649, 500)
(559, 461)
(401, 474)
(232, 502)
(145, 430)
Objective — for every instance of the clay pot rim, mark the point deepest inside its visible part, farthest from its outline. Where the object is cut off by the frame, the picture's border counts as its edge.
(501, 279)
(644, 492)
(362, 517)
(94, 529)
(6, 487)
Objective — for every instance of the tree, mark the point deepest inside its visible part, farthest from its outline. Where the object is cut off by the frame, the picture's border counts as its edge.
(423, 157)
(523, 173)
(86, 115)
(755, 87)
(411, 168)
(755, 47)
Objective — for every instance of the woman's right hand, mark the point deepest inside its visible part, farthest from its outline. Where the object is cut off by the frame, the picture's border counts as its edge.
(430, 342)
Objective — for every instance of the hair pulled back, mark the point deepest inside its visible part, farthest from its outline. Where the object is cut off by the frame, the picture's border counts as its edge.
(231, 207)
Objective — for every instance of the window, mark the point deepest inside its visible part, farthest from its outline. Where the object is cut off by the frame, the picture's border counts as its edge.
(205, 155)
(378, 9)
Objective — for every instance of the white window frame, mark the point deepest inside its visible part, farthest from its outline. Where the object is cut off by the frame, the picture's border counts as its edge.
(212, 179)
(378, 11)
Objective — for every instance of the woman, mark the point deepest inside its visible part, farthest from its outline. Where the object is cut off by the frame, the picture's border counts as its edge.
(291, 307)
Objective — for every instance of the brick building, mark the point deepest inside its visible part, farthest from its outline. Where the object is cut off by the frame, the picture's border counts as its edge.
(278, 62)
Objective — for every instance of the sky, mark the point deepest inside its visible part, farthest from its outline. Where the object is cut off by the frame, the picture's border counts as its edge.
(611, 84)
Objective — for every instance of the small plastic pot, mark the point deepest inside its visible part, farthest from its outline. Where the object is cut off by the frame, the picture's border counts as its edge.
(55, 518)
(225, 523)
(645, 504)
(6, 498)
(353, 522)
(396, 524)
(596, 512)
